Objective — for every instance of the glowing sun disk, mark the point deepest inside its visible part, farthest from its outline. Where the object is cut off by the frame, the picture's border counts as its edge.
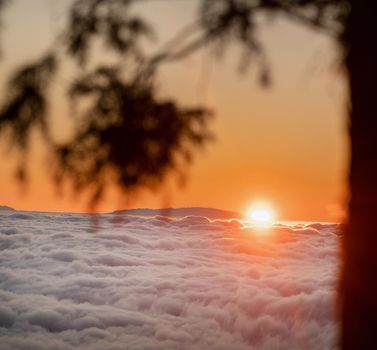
(260, 215)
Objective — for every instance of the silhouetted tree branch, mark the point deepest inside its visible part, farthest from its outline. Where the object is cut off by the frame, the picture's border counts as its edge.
(109, 20)
(127, 136)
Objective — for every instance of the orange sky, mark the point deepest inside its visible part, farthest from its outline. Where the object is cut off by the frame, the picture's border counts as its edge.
(285, 144)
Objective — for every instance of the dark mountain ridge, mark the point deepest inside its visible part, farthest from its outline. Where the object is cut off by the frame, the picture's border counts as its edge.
(6, 208)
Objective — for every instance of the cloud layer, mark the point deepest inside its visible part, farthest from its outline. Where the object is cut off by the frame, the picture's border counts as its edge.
(157, 283)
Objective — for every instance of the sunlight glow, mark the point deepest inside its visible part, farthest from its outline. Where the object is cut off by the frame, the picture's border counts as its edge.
(260, 214)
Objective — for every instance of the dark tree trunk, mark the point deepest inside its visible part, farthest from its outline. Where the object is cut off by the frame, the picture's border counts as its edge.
(359, 280)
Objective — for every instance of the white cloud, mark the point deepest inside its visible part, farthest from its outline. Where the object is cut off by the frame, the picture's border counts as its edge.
(153, 283)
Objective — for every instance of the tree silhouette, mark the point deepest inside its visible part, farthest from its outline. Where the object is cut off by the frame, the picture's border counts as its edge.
(127, 135)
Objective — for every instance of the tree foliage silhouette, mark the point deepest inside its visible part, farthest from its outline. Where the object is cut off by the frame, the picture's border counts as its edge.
(125, 134)
(128, 135)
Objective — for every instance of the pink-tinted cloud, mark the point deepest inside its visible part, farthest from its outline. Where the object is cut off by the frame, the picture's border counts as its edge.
(152, 283)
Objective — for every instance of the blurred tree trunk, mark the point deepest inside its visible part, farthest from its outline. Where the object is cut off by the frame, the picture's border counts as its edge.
(359, 280)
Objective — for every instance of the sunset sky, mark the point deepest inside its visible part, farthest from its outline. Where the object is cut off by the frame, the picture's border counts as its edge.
(285, 145)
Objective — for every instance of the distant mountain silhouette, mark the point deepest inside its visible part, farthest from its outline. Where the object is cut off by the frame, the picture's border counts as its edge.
(6, 208)
(210, 213)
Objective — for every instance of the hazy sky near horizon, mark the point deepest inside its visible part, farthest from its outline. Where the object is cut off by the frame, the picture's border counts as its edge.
(285, 144)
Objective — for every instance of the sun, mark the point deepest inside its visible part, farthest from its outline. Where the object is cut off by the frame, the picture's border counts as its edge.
(260, 214)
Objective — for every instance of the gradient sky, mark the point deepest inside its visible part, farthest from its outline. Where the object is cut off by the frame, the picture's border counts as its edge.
(285, 144)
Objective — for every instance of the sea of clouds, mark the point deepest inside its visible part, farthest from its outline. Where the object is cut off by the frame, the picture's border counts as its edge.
(68, 281)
